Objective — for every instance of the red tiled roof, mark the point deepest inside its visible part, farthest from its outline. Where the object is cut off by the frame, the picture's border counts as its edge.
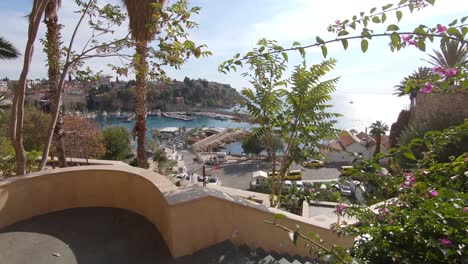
(347, 139)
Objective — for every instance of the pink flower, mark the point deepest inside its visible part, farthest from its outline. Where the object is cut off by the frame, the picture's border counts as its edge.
(406, 38)
(439, 70)
(340, 208)
(406, 185)
(465, 209)
(383, 212)
(441, 29)
(450, 72)
(411, 42)
(445, 241)
(408, 174)
(428, 87)
(337, 22)
(434, 193)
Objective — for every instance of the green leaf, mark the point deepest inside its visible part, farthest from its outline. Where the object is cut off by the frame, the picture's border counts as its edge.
(399, 15)
(431, 2)
(285, 55)
(295, 43)
(386, 7)
(364, 45)
(324, 50)
(453, 32)
(277, 217)
(384, 17)
(453, 23)
(319, 40)
(409, 154)
(421, 45)
(302, 51)
(464, 19)
(373, 10)
(395, 38)
(342, 33)
(464, 31)
(366, 33)
(407, 89)
(392, 27)
(402, 2)
(376, 19)
(345, 43)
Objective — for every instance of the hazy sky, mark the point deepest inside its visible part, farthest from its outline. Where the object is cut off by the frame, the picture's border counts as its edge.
(228, 27)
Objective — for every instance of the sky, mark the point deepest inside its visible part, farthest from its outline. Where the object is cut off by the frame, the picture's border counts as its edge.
(228, 27)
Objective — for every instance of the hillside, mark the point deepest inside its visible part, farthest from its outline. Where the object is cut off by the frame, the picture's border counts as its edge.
(166, 96)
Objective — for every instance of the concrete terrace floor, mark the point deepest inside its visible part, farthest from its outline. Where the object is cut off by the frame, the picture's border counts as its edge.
(114, 236)
(84, 235)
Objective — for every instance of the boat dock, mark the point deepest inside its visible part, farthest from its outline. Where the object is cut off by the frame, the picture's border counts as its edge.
(177, 116)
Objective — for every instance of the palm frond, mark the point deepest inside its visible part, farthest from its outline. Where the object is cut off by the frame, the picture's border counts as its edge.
(7, 50)
(451, 54)
(422, 73)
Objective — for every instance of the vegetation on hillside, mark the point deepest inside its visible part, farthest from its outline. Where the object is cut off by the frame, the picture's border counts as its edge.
(195, 93)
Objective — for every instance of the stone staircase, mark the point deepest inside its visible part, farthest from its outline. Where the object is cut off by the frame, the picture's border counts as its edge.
(228, 253)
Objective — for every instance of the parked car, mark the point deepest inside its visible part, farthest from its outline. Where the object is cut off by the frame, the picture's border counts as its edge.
(299, 185)
(213, 180)
(287, 184)
(312, 164)
(345, 190)
(200, 178)
(308, 186)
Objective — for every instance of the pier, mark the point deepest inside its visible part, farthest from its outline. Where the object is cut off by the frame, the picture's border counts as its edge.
(177, 116)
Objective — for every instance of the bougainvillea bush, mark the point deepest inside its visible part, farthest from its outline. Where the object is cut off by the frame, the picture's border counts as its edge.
(426, 221)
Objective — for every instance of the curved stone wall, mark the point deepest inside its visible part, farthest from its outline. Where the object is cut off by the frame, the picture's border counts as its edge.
(188, 219)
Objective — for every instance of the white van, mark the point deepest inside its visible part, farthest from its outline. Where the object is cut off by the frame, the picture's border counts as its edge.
(221, 156)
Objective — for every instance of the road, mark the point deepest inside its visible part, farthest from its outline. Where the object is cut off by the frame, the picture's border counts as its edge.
(237, 173)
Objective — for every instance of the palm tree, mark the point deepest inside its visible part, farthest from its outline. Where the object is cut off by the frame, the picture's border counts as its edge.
(378, 129)
(52, 49)
(452, 53)
(2, 102)
(416, 79)
(7, 50)
(140, 13)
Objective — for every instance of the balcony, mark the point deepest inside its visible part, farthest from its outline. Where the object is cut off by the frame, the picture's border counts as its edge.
(120, 214)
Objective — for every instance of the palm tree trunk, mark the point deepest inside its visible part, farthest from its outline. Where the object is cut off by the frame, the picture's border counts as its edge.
(141, 66)
(53, 58)
(17, 110)
(377, 144)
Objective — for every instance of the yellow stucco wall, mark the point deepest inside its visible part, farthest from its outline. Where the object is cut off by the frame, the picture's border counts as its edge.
(188, 219)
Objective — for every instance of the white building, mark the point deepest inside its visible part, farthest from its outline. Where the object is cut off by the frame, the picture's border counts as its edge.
(347, 146)
(3, 86)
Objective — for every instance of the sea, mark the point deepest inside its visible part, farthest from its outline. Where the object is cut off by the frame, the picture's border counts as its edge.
(358, 112)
